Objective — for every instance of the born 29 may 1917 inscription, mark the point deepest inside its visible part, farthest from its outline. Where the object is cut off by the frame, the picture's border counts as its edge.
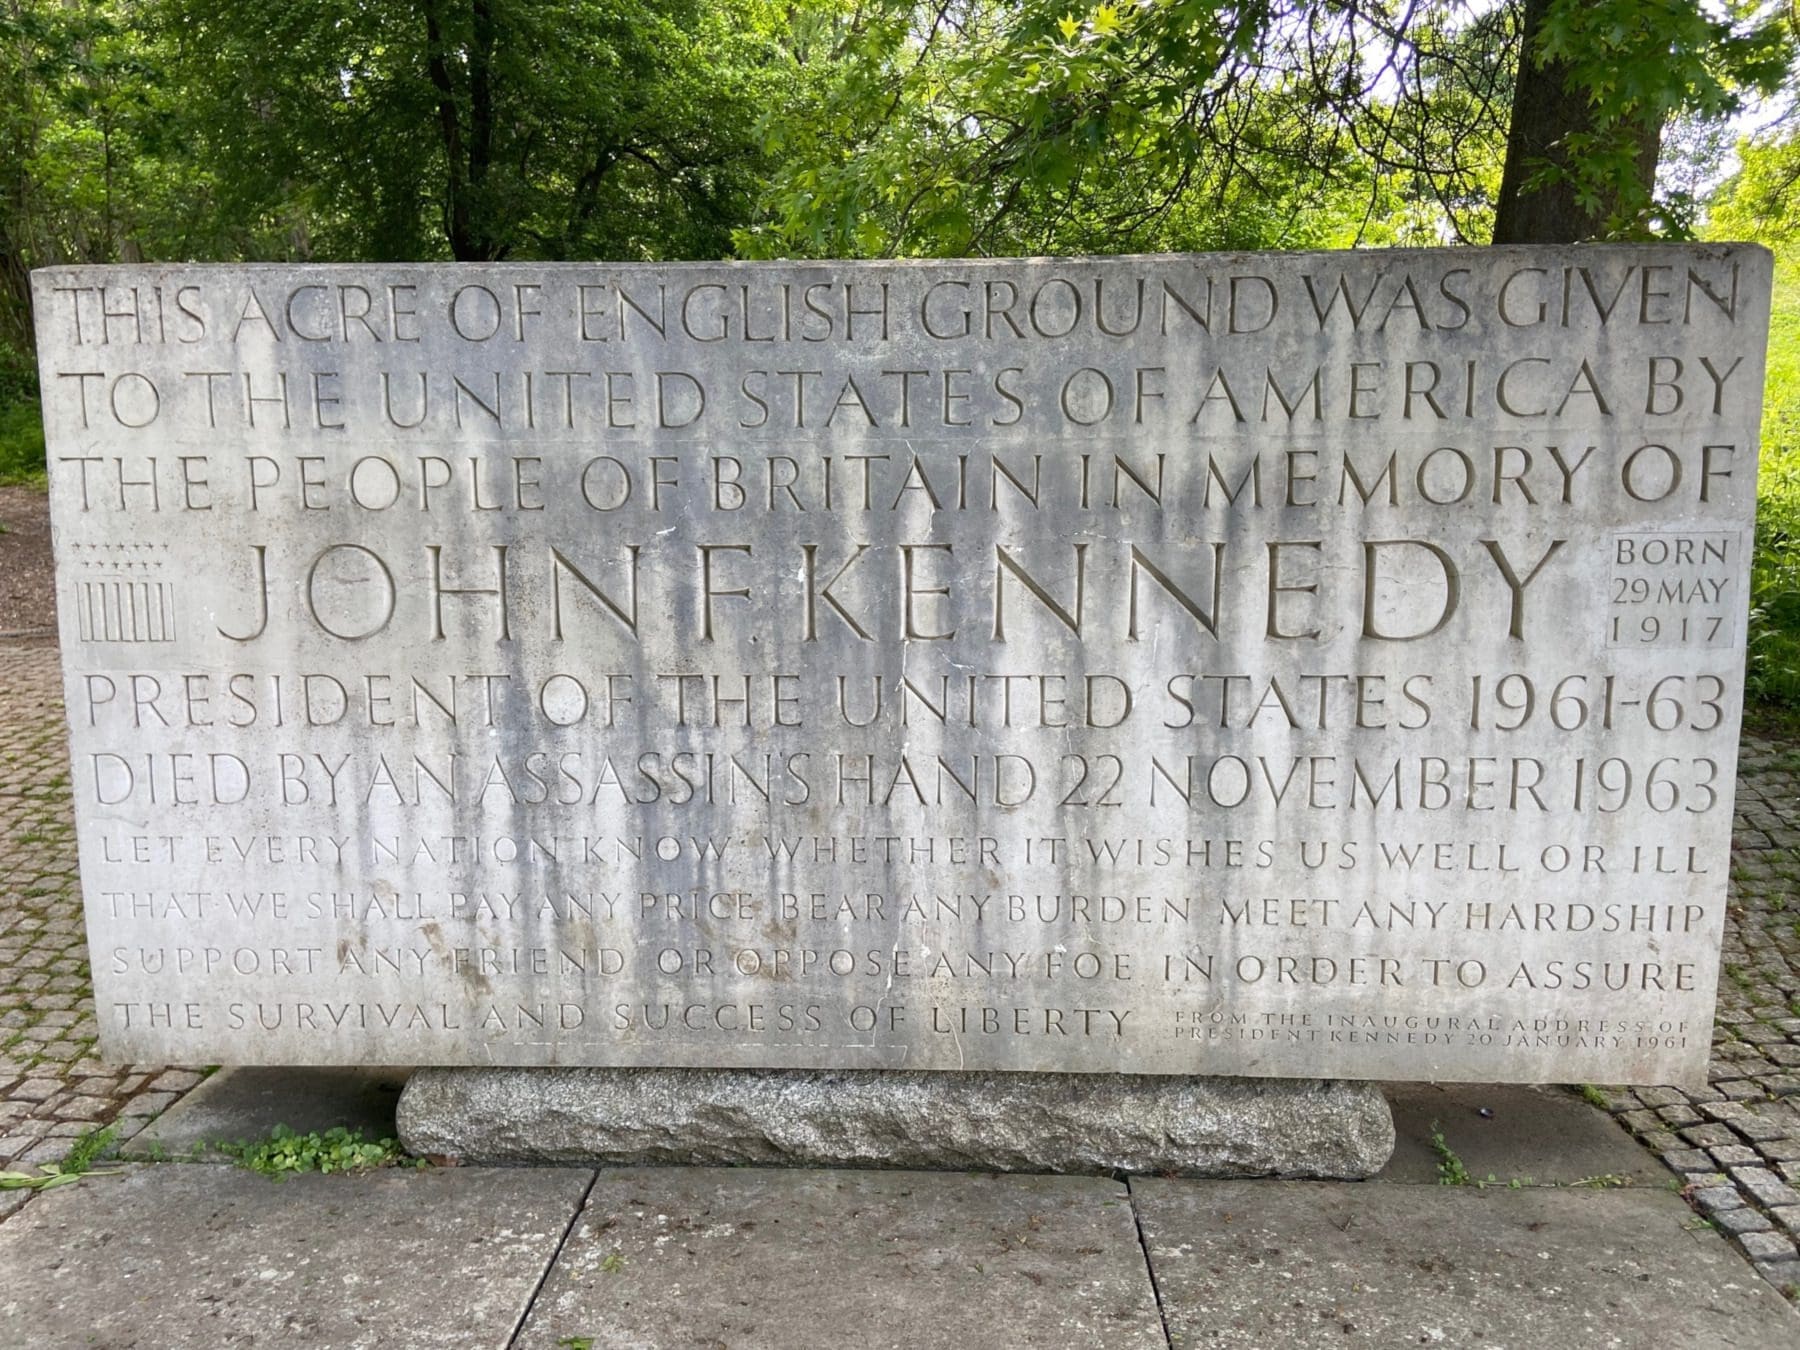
(1321, 665)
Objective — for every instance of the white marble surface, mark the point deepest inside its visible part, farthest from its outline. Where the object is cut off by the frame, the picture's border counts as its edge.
(1317, 665)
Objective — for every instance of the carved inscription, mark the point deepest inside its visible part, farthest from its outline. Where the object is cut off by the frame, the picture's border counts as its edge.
(1320, 665)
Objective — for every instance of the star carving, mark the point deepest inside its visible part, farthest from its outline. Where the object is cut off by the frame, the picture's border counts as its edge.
(116, 558)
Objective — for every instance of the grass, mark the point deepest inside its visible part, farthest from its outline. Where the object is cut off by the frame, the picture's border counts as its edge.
(1774, 664)
(88, 1150)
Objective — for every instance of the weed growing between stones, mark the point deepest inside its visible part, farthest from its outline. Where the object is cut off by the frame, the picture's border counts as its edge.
(76, 1164)
(1450, 1169)
(287, 1152)
(89, 1149)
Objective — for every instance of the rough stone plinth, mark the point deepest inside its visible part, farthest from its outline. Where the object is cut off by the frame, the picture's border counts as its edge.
(1085, 1123)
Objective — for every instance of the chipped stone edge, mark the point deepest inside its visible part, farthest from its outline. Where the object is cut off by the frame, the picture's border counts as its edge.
(1082, 1124)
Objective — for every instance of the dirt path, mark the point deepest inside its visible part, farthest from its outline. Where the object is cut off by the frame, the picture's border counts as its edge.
(27, 586)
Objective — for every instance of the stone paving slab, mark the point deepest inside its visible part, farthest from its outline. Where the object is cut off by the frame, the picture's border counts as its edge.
(239, 1104)
(1306, 1264)
(202, 1257)
(1540, 1136)
(787, 1260)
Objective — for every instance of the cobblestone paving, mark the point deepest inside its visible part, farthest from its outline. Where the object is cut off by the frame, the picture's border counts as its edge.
(54, 1087)
(1736, 1142)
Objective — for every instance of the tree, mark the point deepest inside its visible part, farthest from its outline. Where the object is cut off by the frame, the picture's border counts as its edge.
(1598, 82)
(1000, 127)
(993, 126)
(85, 170)
(340, 130)
(484, 129)
(1762, 199)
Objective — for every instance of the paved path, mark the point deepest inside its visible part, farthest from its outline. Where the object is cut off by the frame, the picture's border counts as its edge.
(1736, 1143)
(198, 1256)
(53, 1085)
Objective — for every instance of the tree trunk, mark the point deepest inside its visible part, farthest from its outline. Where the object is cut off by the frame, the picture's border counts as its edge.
(468, 212)
(15, 297)
(1545, 112)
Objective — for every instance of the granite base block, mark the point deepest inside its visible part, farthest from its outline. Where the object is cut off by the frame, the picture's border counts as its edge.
(1002, 1122)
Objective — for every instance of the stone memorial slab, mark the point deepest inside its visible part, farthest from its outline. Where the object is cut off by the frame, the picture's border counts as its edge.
(1275, 665)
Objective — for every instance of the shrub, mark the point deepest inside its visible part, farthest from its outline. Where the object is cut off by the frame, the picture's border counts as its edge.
(21, 444)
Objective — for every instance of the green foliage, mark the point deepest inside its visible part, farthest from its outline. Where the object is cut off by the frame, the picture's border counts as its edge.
(341, 130)
(1761, 200)
(18, 374)
(1452, 1171)
(334, 130)
(1643, 63)
(1031, 126)
(480, 128)
(1773, 671)
(1450, 1168)
(1014, 128)
(92, 168)
(47, 1177)
(21, 445)
(21, 422)
(76, 1164)
(89, 1149)
(286, 1153)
